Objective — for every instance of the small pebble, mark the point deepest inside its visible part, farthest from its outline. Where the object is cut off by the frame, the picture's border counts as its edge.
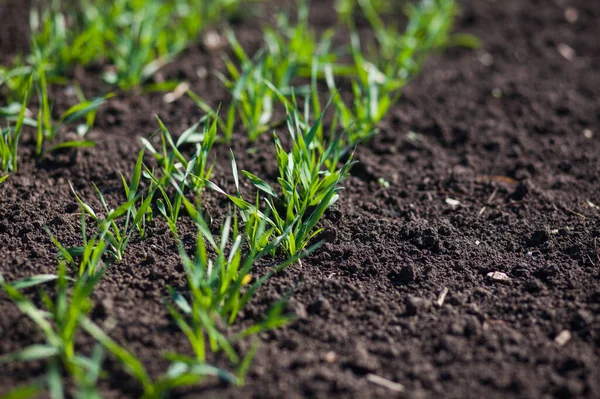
(563, 337)
(202, 72)
(571, 15)
(331, 357)
(452, 202)
(485, 58)
(566, 51)
(212, 40)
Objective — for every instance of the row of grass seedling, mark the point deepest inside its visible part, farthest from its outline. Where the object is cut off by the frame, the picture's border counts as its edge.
(377, 72)
(135, 38)
(281, 221)
(16, 117)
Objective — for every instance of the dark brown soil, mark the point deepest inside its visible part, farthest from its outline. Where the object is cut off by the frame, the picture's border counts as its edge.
(510, 131)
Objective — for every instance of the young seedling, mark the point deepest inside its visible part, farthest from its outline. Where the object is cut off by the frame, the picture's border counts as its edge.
(309, 182)
(175, 165)
(132, 190)
(396, 58)
(219, 288)
(86, 259)
(169, 208)
(347, 9)
(9, 141)
(177, 170)
(61, 320)
(373, 92)
(47, 129)
(179, 374)
(59, 323)
(118, 234)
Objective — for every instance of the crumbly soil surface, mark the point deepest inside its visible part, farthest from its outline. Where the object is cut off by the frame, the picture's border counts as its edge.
(493, 163)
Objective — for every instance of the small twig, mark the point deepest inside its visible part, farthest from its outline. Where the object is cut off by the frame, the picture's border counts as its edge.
(575, 213)
(391, 385)
(491, 198)
(591, 260)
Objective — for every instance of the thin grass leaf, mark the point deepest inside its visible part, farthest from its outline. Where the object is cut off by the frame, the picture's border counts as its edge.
(131, 363)
(24, 392)
(32, 281)
(260, 184)
(31, 353)
(55, 385)
(72, 144)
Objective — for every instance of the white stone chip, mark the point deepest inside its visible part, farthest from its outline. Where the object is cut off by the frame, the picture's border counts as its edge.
(499, 277)
(563, 337)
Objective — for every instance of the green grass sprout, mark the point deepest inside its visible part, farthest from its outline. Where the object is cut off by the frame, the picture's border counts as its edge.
(179, 171)
(47, 129)
(181, 373)
(9, 141)
(309, 181)
(387, 65)
(169, 208)
(142, 214)
(117, 232)
(175, 165)
(220, 286)
(347, 9)
(59, 323)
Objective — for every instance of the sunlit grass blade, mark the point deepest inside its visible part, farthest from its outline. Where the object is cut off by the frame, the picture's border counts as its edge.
(33, 281)
(72, 144)
(25, 392)
(31, 353)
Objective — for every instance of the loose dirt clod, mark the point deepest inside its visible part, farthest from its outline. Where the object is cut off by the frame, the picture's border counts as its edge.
(416, 305)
